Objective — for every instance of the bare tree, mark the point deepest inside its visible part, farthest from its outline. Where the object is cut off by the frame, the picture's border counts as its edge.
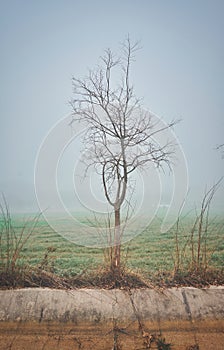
(120, 136)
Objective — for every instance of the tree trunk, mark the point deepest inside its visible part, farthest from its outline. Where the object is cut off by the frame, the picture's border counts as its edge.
(117, 243)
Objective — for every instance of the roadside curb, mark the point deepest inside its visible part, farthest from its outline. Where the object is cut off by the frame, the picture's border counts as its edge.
(99, 306)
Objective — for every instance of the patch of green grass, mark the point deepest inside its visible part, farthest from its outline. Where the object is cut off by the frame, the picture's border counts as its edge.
(149, 252)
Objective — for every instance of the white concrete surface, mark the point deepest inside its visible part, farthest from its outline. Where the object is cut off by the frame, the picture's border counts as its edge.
(99, 306)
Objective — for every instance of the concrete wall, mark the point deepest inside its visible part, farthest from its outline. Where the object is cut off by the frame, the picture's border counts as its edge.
(101, 306)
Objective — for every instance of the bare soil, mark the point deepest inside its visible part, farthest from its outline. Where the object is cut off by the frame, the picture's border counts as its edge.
(203, 335)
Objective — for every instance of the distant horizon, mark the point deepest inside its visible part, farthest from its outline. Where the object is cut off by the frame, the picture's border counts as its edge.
(161, 211)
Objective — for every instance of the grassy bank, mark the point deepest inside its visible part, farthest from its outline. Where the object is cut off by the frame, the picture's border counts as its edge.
(150, 253)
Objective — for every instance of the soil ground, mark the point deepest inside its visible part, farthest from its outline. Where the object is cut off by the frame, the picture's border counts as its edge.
(182, 335)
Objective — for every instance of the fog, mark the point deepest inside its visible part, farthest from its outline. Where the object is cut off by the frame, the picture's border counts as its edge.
(178, 72)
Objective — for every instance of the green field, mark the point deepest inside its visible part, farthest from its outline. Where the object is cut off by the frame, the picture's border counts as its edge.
(149, 252)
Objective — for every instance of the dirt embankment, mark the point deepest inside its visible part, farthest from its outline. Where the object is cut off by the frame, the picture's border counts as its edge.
(112, 319)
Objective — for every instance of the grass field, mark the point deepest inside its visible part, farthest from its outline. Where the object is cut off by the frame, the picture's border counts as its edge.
(149, 252)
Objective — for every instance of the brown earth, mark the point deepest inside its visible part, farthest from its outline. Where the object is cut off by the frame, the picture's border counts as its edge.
(183, 335)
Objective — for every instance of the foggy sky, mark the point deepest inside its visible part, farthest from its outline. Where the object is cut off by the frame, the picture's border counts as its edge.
(179, 72)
